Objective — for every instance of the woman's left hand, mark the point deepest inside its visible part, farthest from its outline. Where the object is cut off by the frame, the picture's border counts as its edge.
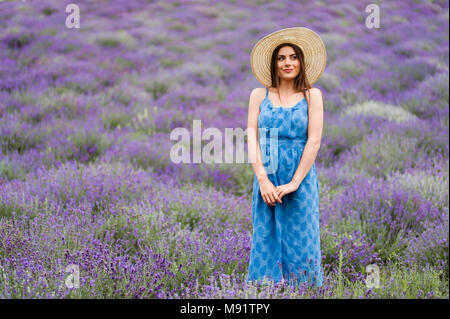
(286, 189)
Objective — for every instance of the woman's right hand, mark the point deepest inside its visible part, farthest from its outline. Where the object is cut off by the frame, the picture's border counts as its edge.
(269, 192)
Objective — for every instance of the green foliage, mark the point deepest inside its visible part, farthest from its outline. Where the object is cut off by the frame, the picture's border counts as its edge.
(156, 88)
(394, 152)
(434, 92)
(48, 11)
(417, 69)
(20, 140)
(241, 177)
(351, 68)
(124, 64)
(108, 42)
(386, 243)
(87, 146)
(409, 282)
(6, 210)
(179, 27)
(20, 40)
(344, 139)
(385, 111)
(329, 82)
(7, 171)
(121, 228)
(113, 120)
(432, 187)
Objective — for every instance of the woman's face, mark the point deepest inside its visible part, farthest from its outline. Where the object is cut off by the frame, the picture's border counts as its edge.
(288, 60)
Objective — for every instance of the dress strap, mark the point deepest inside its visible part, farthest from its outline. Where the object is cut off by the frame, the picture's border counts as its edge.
(267, 92)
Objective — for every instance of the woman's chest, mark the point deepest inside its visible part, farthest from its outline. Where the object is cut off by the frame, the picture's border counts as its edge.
(285, 120)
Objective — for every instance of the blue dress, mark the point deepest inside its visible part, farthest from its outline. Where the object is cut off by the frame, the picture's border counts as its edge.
(286, 237)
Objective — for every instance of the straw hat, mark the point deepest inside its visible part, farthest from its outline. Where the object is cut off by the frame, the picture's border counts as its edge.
(314, 51)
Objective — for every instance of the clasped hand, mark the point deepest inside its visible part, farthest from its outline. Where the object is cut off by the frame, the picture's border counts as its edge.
(271, 194)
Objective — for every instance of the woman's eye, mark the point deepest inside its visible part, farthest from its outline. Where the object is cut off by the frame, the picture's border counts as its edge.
(294, 57)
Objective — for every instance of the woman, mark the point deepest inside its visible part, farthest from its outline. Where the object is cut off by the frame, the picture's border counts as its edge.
(287, 117)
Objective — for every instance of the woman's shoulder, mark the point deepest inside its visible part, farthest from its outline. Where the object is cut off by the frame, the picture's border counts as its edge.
(314, 90)
(257, 96)
(259, 93)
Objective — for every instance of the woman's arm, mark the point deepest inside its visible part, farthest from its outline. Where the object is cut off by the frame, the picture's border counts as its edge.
(267, 189)
(315, 124)
(253, 142)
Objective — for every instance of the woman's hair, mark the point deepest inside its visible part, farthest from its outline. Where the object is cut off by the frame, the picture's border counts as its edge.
(301, 83)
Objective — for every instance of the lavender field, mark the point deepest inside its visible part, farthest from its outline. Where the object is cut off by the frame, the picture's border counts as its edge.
(86, 179)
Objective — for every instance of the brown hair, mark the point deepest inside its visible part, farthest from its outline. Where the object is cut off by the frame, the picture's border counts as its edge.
(301, 83)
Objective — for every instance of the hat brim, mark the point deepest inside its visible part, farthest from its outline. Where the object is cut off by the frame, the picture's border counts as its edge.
(313, 48)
